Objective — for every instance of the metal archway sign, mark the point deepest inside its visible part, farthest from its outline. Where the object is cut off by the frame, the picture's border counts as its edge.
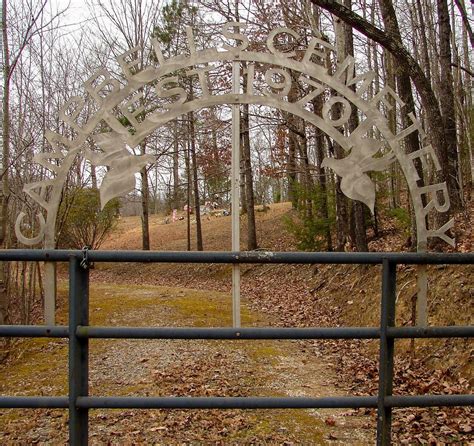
(113, 101)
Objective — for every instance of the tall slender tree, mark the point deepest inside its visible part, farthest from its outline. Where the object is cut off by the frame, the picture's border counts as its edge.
(428, 98)
(404, 90)
(446, 100)
(15, 40)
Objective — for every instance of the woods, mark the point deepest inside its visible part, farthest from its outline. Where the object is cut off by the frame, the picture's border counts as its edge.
(265, 126)
(420, 50)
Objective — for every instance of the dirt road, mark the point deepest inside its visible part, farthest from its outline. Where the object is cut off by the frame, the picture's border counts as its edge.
(179, 368)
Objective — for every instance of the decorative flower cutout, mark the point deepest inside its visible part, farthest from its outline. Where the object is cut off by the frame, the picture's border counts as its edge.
(120, 178)
(355, 183)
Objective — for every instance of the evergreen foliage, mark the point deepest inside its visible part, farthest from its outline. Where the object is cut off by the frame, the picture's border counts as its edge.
(306, 223)
(84, 223)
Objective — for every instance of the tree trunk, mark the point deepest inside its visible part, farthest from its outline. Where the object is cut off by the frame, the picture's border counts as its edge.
(176, 203)
(433, 53)
(423, 41)
(93, 176)
(392, 124)
(188, 194)
(323, 206)
(243, 190)
(446, 99)
(342, 203)
(467, 115)
(342, 208)
(412, 141)
(197, 209)
(291, 165)
(465, 20)
(4, 190)
(145, 210)
(306, 174)
(358, 209)
(458, 99)
(246, 154)
(323, 210)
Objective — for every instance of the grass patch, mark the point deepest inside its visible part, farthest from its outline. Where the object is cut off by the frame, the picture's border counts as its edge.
(308, 429)
(206, 309)
(265, 352)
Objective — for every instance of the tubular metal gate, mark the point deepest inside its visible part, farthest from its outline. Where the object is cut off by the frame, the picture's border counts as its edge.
(79, 332)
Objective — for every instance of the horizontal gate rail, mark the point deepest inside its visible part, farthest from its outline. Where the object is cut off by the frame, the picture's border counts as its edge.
(34, 402)
(369, 258)
(454, 331)
(336, 402)
(228, 333)
(79, 332)
(272, 333)
(339, 402)
(226, 402)
(38, 331)
(428, 400)
(34, 331)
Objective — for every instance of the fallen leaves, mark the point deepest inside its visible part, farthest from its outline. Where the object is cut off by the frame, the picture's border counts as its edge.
(301, 297)
(330, 421)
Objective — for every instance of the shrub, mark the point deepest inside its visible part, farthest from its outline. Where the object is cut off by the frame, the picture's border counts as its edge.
(309, 228)
(402, 219)
(82, 222)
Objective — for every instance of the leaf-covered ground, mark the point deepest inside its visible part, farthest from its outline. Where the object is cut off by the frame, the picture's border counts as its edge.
(334, 295)
(274, 295)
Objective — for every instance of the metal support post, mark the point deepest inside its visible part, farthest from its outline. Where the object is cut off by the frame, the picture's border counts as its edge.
(387, 319)
(422, 290)
(49, 293)
(78, 350)
(235, 185)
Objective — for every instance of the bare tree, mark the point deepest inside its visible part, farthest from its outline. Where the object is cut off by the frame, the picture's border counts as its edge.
(15, 39)
(422, 84)
(122, 26)
(404, 89)
(446, 101)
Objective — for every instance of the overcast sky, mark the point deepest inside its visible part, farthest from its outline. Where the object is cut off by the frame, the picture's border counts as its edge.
(75, 15)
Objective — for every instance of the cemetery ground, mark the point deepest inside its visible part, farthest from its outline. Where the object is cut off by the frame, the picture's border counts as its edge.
(273, 295)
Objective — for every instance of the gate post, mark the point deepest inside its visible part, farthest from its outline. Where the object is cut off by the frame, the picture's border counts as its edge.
(387, 319)
(78, 350)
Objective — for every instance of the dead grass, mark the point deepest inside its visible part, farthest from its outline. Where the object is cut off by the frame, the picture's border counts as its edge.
(216, 232)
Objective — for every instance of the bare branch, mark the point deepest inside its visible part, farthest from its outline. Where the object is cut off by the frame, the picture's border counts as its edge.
(465, 20)
(455, 65)
(31, 32)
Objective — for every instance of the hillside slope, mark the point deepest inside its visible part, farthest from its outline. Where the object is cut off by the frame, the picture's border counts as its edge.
(168, 236)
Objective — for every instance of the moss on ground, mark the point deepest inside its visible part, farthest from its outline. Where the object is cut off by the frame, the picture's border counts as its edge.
(206, 309)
